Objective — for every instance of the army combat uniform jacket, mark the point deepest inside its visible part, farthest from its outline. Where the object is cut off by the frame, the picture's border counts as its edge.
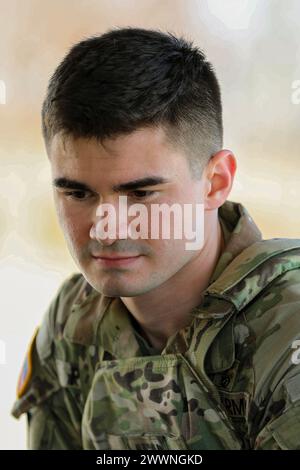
(230, 380)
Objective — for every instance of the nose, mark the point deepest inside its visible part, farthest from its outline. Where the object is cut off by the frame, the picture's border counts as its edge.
(94, 235)
(109, 223)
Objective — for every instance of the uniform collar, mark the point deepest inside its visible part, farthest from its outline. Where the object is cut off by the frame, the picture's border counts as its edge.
(116, 334)
(239, 231)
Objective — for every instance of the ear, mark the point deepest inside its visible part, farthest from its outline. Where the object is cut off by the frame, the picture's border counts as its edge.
(218, 178)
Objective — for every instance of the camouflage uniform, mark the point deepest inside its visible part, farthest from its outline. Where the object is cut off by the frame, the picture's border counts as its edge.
(227, 381)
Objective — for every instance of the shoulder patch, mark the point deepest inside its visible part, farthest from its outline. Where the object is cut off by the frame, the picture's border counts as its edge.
(26, 371)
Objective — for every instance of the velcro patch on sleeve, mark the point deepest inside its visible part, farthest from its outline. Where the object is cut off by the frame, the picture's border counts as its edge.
(26, 371)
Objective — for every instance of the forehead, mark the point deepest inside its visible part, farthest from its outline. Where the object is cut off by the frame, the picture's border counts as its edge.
(146, 150)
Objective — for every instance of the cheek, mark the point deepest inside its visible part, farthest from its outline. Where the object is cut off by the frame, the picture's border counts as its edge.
(170, 252)
(75, 224)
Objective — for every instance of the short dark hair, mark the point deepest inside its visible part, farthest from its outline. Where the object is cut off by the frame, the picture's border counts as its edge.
(129, 78)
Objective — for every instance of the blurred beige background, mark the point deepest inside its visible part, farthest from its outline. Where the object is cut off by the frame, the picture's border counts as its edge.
(255, 48)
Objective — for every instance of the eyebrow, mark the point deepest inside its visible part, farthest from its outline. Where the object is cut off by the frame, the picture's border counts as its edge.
(140, 183)
(66, 183)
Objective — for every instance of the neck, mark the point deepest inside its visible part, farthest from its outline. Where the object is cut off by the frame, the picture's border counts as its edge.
(166, 309)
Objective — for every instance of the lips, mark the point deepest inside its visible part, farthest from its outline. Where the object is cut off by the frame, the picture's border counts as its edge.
(114, 257)
(116, 261)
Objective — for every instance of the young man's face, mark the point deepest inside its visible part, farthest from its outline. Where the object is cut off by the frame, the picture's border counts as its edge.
(101, 168)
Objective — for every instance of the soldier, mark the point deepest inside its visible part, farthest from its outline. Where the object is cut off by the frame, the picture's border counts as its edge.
(151, 345)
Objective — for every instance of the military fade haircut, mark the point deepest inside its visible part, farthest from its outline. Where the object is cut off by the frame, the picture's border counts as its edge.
(130, 78)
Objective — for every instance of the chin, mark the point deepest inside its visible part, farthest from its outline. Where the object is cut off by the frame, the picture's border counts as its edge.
(120, 291)
(109, 289)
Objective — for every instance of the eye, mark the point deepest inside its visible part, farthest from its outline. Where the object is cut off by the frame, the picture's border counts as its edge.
(142, 194)
(78, 195)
